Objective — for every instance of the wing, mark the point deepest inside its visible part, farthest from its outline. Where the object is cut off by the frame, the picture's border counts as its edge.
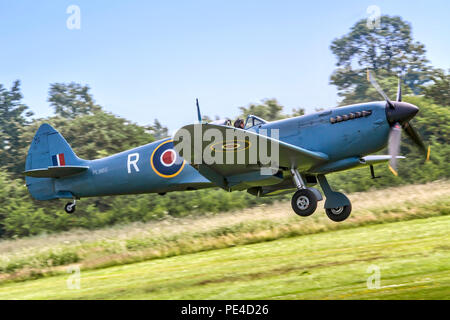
(230, 156)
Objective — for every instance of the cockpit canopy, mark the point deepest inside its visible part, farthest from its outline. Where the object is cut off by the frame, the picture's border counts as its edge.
(253, 121)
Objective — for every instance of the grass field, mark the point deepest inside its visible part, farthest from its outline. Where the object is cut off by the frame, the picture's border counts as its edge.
(413, 257)
(260, 253)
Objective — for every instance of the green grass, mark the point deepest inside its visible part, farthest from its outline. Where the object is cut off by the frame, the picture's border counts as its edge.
(49, 255)
(413, 257)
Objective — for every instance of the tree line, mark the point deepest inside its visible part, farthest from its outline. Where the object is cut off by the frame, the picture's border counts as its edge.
(94, 133)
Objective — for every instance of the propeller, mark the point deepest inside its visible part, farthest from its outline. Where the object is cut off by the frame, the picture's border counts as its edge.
(375, 84)
(395, 136)
(414, 135)
(399, 114)
(399, 90)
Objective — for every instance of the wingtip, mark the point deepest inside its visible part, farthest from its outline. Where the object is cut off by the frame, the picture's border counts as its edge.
(394, 172)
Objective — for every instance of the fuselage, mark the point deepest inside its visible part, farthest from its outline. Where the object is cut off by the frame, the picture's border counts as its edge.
(339, 140)
(151, 168)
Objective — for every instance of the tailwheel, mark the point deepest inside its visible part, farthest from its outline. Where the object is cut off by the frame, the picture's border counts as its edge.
(304, 202)
(70, 207)
(340, 213)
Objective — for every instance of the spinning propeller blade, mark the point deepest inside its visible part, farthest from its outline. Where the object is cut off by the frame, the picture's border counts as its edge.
(412, 133)
(375, 84)
(399, 90)
(399, 114)
(395, 136)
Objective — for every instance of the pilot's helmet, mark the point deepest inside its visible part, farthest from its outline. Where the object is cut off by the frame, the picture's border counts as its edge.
(238, 123)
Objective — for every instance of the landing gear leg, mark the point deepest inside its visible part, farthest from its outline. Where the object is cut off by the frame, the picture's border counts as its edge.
(70, 206)
(304, 201)
(337, 205)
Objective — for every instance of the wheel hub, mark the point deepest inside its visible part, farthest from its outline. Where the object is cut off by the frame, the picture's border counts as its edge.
(337, 210)
(303, 202)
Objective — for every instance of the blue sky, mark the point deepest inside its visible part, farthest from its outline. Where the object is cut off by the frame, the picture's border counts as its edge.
(146, 59)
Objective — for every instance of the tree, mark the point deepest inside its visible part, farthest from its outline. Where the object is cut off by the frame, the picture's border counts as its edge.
(439, 91)
(71, 100)
(298, 112)
(388, 50)
(269, 110)
(14, 116)
(158, 130)
(98, 135)
(94, 133)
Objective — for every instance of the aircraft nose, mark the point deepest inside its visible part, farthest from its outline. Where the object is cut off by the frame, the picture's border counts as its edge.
(402, 112)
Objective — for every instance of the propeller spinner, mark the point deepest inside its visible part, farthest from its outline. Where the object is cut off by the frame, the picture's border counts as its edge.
(398, 115)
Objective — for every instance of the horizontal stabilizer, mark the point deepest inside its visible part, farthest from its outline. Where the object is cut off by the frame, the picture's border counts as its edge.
(55, 172)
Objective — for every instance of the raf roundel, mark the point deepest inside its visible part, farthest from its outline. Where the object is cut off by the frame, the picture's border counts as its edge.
(165, 161)
(168, 157)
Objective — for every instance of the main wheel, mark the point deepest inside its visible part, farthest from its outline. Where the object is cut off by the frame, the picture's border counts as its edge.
(304, 202)
(69, 207)
(340, 213)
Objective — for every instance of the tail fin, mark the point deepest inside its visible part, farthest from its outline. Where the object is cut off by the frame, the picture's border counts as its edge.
(49, 148)
(49, 157)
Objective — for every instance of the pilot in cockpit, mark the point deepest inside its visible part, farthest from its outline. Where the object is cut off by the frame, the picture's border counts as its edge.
(239, 123)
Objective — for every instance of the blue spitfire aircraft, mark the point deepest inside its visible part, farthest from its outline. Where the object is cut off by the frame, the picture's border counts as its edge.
(309, 147)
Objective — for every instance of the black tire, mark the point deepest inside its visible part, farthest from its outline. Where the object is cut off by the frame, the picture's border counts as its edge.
(69, 207)
(304, 202)
(339, 214)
